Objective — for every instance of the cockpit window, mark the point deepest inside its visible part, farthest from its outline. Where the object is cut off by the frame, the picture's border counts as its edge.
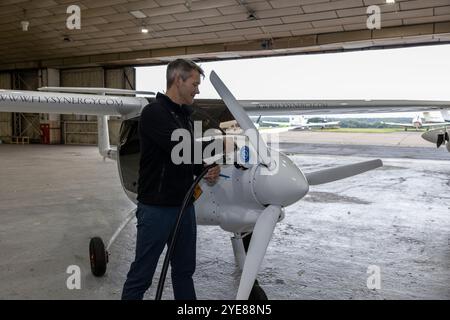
(129, 154)
(214, 114)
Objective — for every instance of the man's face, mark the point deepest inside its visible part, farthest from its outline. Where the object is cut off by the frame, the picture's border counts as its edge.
(189, 88)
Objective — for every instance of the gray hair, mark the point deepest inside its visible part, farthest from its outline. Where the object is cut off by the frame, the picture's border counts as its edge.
(183, 67)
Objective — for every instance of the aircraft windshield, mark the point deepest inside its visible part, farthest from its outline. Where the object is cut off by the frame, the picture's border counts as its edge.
(215, 115)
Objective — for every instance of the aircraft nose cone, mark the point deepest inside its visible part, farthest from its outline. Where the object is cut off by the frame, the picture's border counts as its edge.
(282, 186)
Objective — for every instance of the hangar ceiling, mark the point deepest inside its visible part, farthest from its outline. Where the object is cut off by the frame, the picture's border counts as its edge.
(111, 34)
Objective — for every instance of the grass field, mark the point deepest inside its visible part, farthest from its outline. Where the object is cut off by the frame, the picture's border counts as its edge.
(366, 130)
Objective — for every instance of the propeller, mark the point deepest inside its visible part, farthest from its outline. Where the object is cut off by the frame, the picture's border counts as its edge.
(446, 138)
(259, 119)
(257, 122)
(282, 187)
(442, 138)
(438, 136)
(262, 233)
(243, 119)
(338, 173)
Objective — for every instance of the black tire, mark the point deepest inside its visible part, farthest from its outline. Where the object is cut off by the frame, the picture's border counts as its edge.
(257, 293)
(98, 257)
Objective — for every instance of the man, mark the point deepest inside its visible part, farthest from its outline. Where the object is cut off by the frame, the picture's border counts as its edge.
(163, 185)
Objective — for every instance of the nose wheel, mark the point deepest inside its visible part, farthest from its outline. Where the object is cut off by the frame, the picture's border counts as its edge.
(98, 256)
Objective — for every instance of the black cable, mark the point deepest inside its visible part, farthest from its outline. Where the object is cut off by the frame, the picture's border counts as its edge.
(169, 251)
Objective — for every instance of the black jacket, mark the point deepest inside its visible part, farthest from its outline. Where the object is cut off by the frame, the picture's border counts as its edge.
(161, 182)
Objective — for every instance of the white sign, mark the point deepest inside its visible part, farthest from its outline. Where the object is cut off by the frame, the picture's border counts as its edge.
(74, 20)
(374, 19)
(374, 280)
(74, 280)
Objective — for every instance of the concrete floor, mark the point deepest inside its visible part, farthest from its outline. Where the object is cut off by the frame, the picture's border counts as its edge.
(390, 139)
(53, 199)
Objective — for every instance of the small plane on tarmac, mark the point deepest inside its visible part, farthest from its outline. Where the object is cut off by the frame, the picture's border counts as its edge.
(250, 200)
(299, 122)
(424, 121)
(438, 136)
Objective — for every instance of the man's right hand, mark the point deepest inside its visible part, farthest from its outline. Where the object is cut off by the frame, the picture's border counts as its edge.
(212, 175)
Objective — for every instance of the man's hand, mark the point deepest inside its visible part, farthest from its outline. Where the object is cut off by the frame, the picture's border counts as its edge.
(212, 175)
(228, 145)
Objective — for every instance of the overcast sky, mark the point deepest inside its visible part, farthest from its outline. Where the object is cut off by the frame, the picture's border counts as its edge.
(418, 73)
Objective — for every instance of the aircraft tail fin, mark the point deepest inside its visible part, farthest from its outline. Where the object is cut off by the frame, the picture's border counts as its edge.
(442, 116)
(445, 115)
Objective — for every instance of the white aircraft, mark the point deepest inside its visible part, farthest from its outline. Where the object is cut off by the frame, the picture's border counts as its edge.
(427, 120)
(250, 197)
(439, 137)
(297, 122)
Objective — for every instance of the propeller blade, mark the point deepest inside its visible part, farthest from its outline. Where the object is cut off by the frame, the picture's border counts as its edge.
(342, 172)
(242, 118)
(447, 138)
(262, 233)
(440, 140)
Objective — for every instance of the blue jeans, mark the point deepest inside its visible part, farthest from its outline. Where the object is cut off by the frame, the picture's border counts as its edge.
(154, 229)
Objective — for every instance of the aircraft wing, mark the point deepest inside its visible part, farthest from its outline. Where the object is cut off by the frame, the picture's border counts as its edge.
(306, 125)
(423, 125)
(265, 130)
(397, 124)
(276, 123)
(321, 124)
(435, 124)
(305, 107)
(69, 103)
(91, 104)
(102, 91)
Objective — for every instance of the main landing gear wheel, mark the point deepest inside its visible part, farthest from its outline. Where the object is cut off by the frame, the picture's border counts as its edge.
(257, 292)
(98, 256)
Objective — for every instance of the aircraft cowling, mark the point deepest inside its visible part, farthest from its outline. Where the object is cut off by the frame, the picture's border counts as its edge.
(438, 137)
(431, 136)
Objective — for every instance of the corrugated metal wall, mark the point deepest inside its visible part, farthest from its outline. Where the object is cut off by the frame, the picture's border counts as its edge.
(5, 80)
(74, 130)
(91, 77)
(51, 78)
(26, 124)
(5, 117)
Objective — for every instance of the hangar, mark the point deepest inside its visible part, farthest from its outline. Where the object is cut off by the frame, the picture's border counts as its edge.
(110, 42)
(98, 44)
